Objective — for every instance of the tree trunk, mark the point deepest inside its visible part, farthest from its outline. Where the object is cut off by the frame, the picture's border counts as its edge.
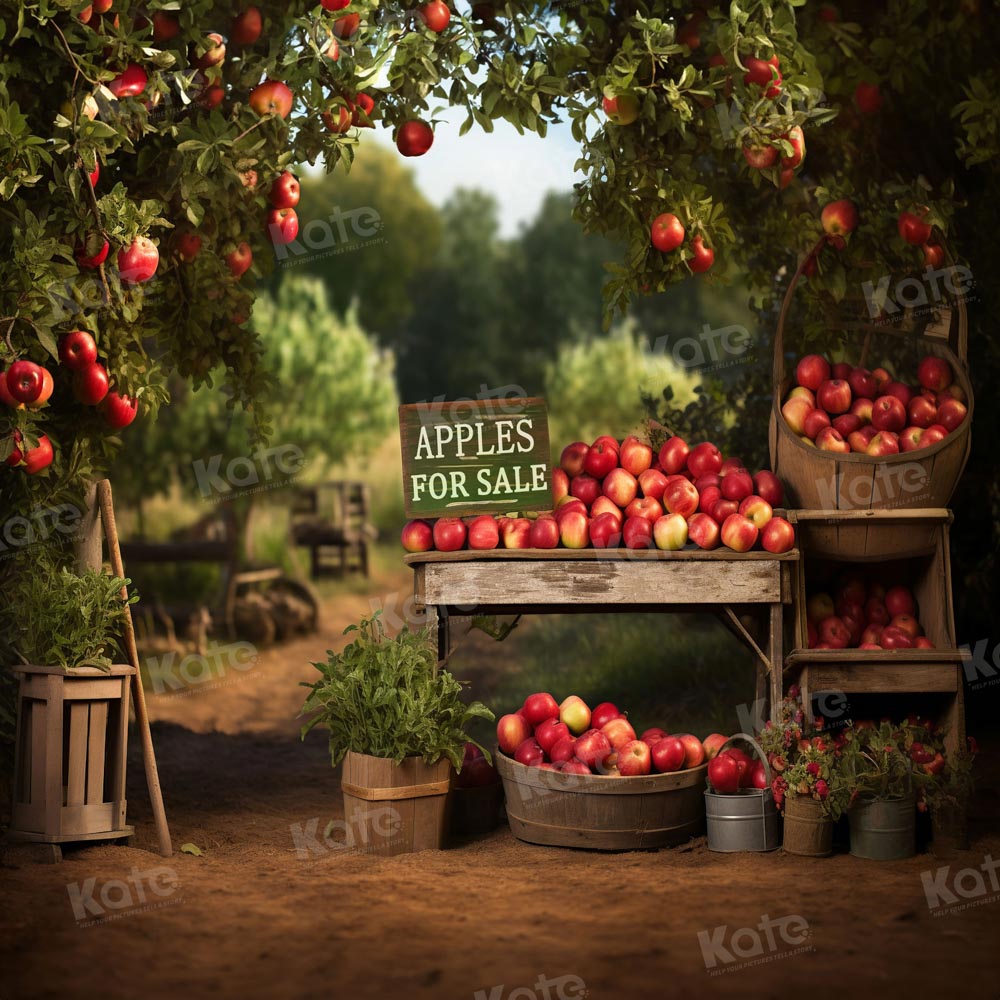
(88, 548)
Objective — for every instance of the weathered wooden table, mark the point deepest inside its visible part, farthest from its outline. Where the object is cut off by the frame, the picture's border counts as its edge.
(749, 590)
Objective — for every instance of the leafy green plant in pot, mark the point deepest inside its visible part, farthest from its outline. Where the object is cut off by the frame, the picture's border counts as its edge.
(400, 726)
(947, 794)
(881, 785)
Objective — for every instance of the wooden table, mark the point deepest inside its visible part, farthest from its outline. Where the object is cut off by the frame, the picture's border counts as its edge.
(748, 590)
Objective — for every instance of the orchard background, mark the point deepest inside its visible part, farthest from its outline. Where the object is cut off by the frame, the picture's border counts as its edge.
(896, 103)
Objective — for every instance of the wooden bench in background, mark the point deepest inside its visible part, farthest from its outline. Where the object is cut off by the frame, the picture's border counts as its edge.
(331, 520)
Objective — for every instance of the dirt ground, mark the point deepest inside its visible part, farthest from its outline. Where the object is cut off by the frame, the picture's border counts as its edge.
(492, 918)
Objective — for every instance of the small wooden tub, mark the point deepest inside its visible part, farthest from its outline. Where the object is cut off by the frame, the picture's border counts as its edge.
(603, 813)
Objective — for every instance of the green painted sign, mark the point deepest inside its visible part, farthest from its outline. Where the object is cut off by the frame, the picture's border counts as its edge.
(475, 456)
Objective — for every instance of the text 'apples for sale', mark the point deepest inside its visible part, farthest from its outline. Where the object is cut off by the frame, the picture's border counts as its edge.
(475, 456)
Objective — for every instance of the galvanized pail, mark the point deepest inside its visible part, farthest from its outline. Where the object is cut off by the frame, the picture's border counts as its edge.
(884, 829)
(746, 820)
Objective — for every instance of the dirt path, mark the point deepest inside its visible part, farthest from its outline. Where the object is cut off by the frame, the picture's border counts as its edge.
(269, 911)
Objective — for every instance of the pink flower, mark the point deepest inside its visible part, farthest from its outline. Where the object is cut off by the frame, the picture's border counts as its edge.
(793, 691)
(813, 768)
(779, 763)
(800, 717)
(822, 789)
(819, 743)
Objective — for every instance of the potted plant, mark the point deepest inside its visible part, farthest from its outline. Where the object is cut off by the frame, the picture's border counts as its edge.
(947, 795)
(61, 632)
(399, 725)
(807, 785)
(882, 790)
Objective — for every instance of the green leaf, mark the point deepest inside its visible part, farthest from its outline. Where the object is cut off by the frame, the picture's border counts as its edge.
(192, 849)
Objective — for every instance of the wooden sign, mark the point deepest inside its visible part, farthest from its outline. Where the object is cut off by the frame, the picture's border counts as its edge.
(475, 456)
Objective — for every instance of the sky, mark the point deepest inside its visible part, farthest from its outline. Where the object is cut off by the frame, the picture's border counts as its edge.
(518, 170)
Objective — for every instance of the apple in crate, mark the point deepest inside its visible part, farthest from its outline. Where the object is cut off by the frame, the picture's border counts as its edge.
(621, 487)
(515, 532)
(673, 457)
(670, 532)
(637, 533)
(574, 530)
(540, 706)
(704, 458)
(572, 458)
(634, 759)
(646, 507)
(484, 533)
(529, 753)
(634, 456)
(739, 533)
(585, 487)
(756, 509)
(703, 531)
(893, 637)
(592, 748)
(600, 460)
(575, 714)
(908, 624)
(737, 484)
(724, 774)
(605, 531)
(417, 536)
(604, 713)
(605, 505)
(449, 534)
(512, 731)
(681, 497)
(713, 744)
(694, 752)
(708, 498)
(668, 754)
(722, 509)
(767, 485)
(544, 533)
(619, 732)
(834, 632)
(778, 536)
(899, 601)
(652, 482)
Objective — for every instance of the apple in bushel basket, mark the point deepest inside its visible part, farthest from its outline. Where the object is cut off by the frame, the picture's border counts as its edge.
(563, 750)
(862, 383)
(812, 371)
(934, 373)
(604, 713)
(549, 732)
(592, 748)
(846, 424)
(651, 736)
(801, 392)
(888, 414)
(619, 732)
(816, 421)
(512, 731)
(834, 396)
(417, 536)
(951, 413)
(795, 412)
(724, 774)
(540, 706)
(529, 753)
(668, 754)
(575, 714)
(449, 534)
(694, 752)
(634, 758)
(713, 744)
(575, 766)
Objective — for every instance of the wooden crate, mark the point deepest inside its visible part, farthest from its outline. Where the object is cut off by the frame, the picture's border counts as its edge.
(69, 771)
(602, 812)
(927, 573)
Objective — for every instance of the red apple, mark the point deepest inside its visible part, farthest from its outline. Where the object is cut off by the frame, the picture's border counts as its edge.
(585, 488)
(911, 439)
(834, 396)
(767, 485)
(830, 439)
(484, 532)
(895, 638)
(708, 498)
(922, 642)
(816, 421)
(449, 534)
(568, 504)
(600, 460)
(623, 109)
(414, 138)
(902, 392)
(605, 505)
(934, 373)
(681, 497)
(913, 229)
(862, 409)
(933, 435)
(795, 412)
(846, 424)
(239, 260)
(862, 383)
(884, 443)
(713, 744)
(801, 392)
(921, 412)
(673, 455)
(592, 748)
(841, 370)
(515, 532)
(907, 623)
(757, 510)
(246, 27)
(560, 484)
(951, 413)
(703, 531)
(540, 706)
(739, 533)
(549, 732)
(512, 731)
(138, 261)
(605, 531)
(562, 750)
(271, 97)
(666, 232)
(839, 218)
(637, 533)
(529, 753)
(635, 456)
(704, 458)
(619, 732)
(285, 191)
(620, 486)
(694, 752)
(131, 82)
(899, 600)
(724, 774)
(870, 635)
(736, 485)
(90, 384)
(953, 391)
(282, 225)
(652, 482)
(604, 713)
(645, 507)
(77, 349)
(670, 532)
(668, 754)
(778, 536)
(722, 509)
(876, 612)
(417, 536)
(859, 440)
(888, 414)
(572, 458)
(574, 530)
(544, 534)
(653, 734)
(834, 632)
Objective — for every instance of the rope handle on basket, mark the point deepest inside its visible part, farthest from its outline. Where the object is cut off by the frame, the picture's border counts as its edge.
(961, 339)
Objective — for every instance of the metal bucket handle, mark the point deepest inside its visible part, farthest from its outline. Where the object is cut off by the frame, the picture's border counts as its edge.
(757, 748)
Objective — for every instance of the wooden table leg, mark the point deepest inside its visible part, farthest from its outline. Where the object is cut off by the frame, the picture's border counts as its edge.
(776, 654)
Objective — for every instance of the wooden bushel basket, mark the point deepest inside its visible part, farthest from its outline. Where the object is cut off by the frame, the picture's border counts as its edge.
(602, 812)
(823, 480)
(394, 808)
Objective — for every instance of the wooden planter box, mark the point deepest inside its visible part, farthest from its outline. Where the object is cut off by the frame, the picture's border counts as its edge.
(69, 771)
(603, 813)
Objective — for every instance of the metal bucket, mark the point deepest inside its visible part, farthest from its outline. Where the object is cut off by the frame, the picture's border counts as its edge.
(808, 830)
(949, 832)
(884, 829)
(746, 820)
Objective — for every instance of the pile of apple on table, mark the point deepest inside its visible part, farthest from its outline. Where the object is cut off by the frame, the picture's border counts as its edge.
(843, 409)
(611, 494)
(864, 614)
(573, 739)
